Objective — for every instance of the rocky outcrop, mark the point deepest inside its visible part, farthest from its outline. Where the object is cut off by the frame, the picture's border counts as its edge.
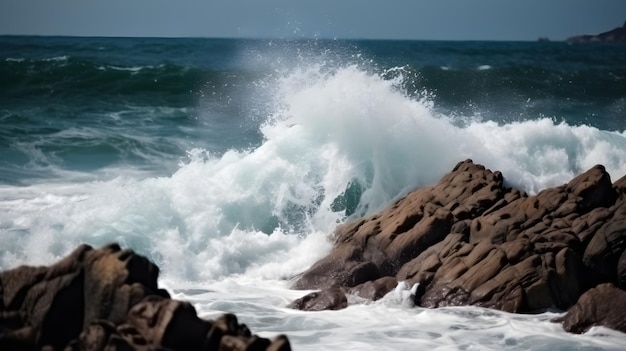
(470, 240)
(603, 305)
(615, 35)
(108, 299)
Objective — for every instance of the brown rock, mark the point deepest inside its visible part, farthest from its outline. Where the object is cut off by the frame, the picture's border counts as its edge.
(470, 240)
(108, 299)
(96, 336)
(169, 323)
(116, 280)
(621, 271)
(607, 246)
(252, 343)
(603, 305)
(327, 299)
(380, 244)
(376, 289)
(345, 266)
(280, 343)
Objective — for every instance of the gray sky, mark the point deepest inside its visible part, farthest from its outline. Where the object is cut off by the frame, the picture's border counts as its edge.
(388, 19)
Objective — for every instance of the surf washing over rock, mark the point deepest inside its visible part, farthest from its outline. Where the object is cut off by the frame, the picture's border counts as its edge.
(231, 170)
(468, 240)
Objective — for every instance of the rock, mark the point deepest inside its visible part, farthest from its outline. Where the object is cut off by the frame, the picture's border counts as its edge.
(327, 299)
(336, 299)
(607, 246)
(621, 271)
(108, 299)
(345, 266)
(380, 244)
(170, 323)
(614, 35)
(376, 289)
(469, 240)
(95, 336)
(603, 305)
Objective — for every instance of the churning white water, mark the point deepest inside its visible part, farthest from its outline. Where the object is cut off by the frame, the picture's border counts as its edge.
(229, 231)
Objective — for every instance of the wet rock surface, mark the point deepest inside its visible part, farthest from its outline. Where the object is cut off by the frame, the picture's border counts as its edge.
(603, 305)
(108, 299)
(470, 240)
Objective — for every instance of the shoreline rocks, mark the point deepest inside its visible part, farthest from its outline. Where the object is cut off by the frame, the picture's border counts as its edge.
(466, 240)
(470, 240)
(108, 299)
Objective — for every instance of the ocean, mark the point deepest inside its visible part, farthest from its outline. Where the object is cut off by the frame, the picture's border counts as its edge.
(229, 162)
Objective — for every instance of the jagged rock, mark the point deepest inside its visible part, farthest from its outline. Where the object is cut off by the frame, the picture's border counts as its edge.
(327, 299)
(170, 323)
(469, 240)
(380, 244)
(603, 305)
(108, 299)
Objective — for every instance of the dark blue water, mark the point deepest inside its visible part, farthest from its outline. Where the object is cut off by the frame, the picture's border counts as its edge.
(228, 162)
(88, 103)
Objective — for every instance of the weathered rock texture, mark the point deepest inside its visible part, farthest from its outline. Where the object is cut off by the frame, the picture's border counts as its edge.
(470, 240)
(603, 305)
(108, 299)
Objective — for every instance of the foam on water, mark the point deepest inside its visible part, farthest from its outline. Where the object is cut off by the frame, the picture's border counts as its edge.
(56, 58)
(229, 231)
(387, 324)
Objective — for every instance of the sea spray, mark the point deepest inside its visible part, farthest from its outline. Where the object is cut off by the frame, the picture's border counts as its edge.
(329, 131)
(295, 142)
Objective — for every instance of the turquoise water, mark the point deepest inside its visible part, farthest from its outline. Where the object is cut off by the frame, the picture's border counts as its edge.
(229, 162)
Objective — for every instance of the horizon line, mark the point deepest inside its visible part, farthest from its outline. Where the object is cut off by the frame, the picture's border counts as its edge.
(539, 39)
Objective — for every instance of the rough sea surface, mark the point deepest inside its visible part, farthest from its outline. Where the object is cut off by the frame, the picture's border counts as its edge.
(229, 162)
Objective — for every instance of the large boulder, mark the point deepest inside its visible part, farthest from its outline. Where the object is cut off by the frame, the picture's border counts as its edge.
(108, 299)
(379, 245)
(470, 240)
(603, 305)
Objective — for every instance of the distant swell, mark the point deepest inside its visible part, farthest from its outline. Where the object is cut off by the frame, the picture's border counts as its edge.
(498, 93)
(465, 84)
(69, 78)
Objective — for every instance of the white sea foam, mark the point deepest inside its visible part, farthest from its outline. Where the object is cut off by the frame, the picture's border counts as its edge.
(132, 69)
(56, 58)
(207, 223)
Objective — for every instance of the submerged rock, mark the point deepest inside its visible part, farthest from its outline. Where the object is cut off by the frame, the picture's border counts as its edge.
(327, 299)
(108, 299)
(470, 240)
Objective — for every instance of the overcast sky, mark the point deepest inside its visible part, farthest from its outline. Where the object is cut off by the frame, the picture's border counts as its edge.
(382, 19)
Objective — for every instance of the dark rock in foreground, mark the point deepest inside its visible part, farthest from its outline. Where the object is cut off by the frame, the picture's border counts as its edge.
(470, 240)
(108, 299)
(603, 305)
(327, 299)
(612, 36)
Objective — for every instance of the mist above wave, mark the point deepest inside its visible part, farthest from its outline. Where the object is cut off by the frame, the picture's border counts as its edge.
(339, 143)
